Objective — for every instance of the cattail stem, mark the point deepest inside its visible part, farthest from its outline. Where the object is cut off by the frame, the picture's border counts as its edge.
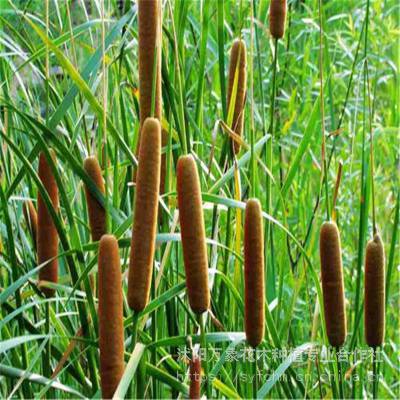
(337, 184)
(203, 341)
(324, 174)
(135, 324)
(340, 374)
(371, 150)
(255, 383)
(375, 374)
(47, 355)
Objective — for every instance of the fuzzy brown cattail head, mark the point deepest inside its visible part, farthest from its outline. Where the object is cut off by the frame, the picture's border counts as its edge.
(110, 312)
(277, 18)
(254, 273)
(193, 234)
(145, 218)
(149, 38)
(47, 236)
(195, 378)
(30, 216)
(332, 283)
(97, 213)
(237, 66)
(374, 307)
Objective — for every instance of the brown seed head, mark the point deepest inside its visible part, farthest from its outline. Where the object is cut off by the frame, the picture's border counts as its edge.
(374, 307)
(145, 218)
(110, 312)
(47, 236)
(97, 213)
(195, 378)
(193, 234)
(332, 283)
(238, 64)
(254, 273)
(277, 18)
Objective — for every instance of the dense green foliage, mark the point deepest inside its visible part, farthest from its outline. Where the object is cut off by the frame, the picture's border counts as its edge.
(61, 104)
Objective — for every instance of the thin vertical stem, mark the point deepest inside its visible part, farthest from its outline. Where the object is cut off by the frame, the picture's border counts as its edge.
(321, 95)
(135, 323)
(340, 374)
(371, 148)
(203, 342)
(104, 114)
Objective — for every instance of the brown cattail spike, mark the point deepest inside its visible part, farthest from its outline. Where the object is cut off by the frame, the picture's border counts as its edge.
(277, 18)
(193, 234)
(30, 216)
(254, 273)
(111, 326)
(150, 40)
(237, 66)
(145, 219)
(97, 213)
(374, 308)
(332, 283)
(47, 236)
(195, 378)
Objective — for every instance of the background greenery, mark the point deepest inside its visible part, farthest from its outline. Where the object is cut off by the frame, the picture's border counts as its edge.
(63, 107)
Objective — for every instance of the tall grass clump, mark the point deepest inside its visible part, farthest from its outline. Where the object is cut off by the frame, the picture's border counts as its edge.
(193, 234)
(47, 235)
(254, 312)
(277, 18)
(237, 78)
(374, 307)
(110, 314)
(332, 283)
(97, 213)
(145, 217)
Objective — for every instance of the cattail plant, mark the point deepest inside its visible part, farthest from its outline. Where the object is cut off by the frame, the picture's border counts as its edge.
(195, 377)
(237, 68)
(332, 283)
(193, 234)
(149, 38)
(97, 213)
(47, 236)
(374, 307)
(254, 273)
(110, 312)
(30, 216)
(277, 18)
(145, 219)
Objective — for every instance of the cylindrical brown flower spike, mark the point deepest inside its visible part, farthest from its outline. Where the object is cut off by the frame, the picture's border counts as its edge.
(111, 326)
(145, 219)
(195, 378)
(30, 216)
(193, 234)
(47, 235)
(254, 273)
(97, 213)
(237, 65)
(149, 36)
(277, 18)
(374, 307)
(332, 283)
